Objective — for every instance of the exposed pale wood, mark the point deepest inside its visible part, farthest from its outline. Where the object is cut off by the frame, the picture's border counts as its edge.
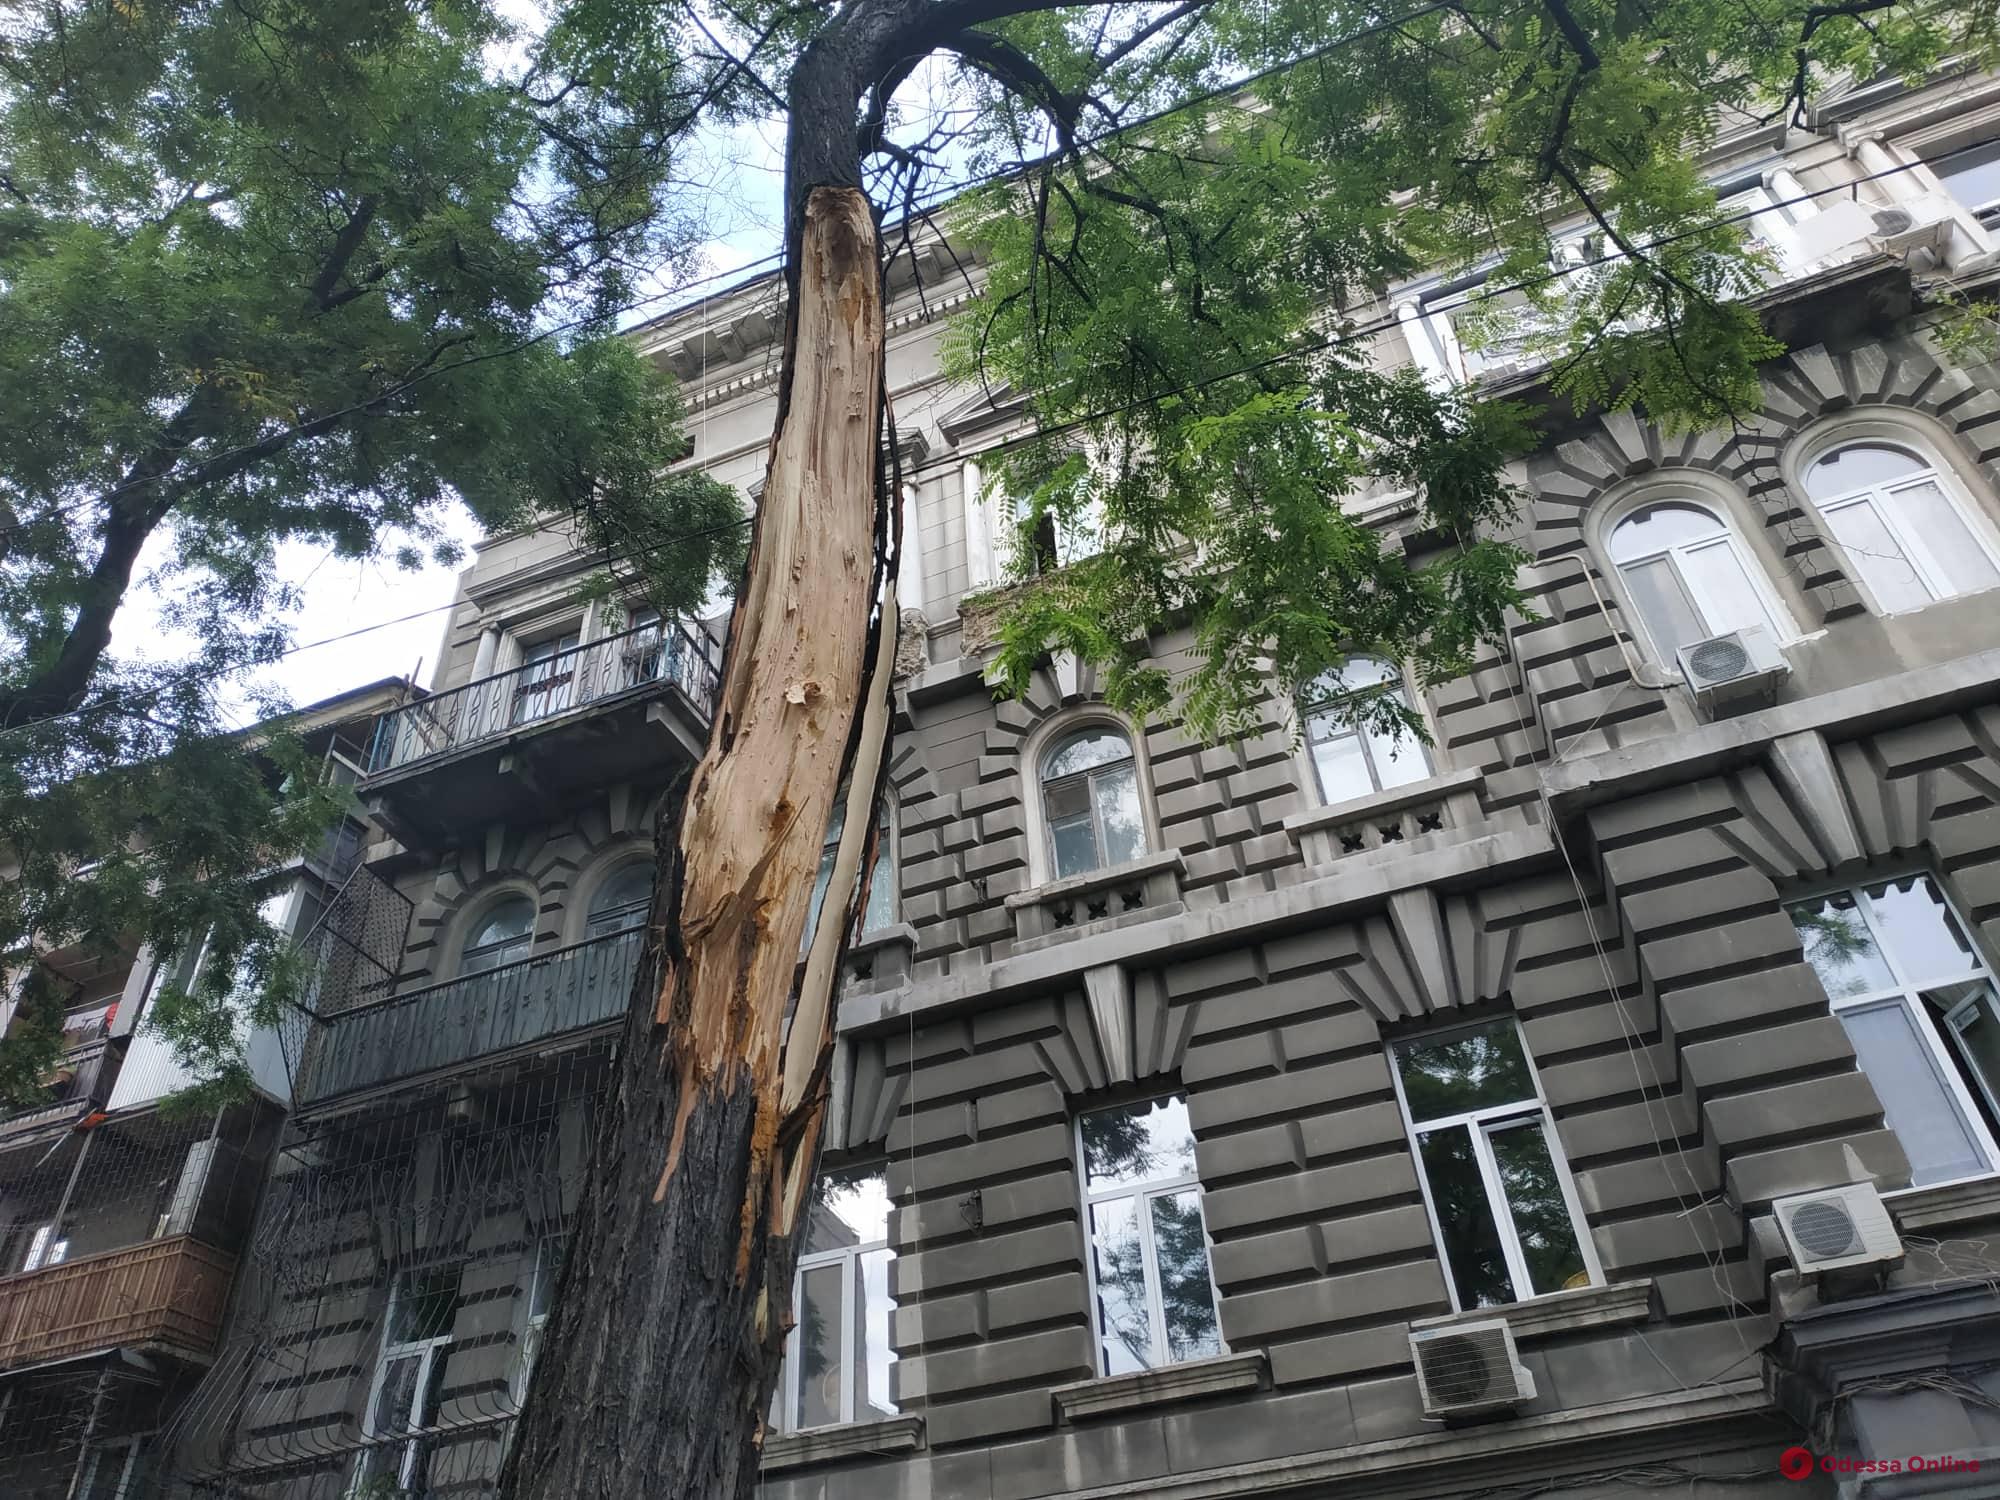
(657, 1368)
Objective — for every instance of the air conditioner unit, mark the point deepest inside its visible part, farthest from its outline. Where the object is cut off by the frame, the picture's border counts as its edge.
(1726, 670)
(1919, 224)
(1837, 1229)
(1464, 1369)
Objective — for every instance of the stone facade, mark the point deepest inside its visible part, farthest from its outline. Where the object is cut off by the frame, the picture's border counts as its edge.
(1589, 867)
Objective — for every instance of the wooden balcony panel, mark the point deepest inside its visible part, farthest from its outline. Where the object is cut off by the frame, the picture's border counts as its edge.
(171, 1291)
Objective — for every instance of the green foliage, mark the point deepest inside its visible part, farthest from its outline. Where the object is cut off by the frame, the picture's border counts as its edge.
(1200, 309)
(280, 272)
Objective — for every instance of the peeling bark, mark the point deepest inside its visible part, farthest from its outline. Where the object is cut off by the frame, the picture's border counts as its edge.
(664, 1344)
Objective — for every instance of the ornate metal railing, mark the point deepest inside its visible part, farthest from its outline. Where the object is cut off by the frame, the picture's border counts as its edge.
(171, 1291)
(447, 1025)
(463, 716)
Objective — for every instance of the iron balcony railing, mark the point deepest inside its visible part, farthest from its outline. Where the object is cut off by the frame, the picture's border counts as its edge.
(81, 1082)
(464, 716)
(444, 1026)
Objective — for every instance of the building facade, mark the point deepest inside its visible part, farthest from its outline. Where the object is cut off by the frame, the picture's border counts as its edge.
(1185, 1093)
(125, 1222)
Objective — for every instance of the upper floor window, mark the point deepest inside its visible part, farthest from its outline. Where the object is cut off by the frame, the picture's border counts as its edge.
(547, 680)
(838, 1357)
(1900, 524)
(543, 1276)
(505, 934)
(407, 1391)
(1499, 1192)
(1917, 1000)
(1351, 755)
(1090, 799)
(621, 902)
(1152, 1294)
(880, 911)
(1972, 176)
(115, 1469)
(1687, 575)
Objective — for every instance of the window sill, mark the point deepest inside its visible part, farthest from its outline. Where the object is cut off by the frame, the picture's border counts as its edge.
(1161, 1387)
(820, 1445)
(1401, 815)
(1561, 1312)
(1942, 1205)
(1097, 898)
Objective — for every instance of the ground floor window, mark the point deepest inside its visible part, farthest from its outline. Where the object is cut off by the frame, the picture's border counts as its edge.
(838, 1358)
(407, 1389)
(1502, 1205)
(1152, 1294)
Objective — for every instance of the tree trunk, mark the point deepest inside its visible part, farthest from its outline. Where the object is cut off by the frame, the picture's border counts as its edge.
(665, 1340)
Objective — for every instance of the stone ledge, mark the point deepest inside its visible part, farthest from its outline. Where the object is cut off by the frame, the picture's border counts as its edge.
(1317, 819)
(1183, 1382)
(1092, 881)
(819, 1445)
(1561, 1312)
(1946, 1205)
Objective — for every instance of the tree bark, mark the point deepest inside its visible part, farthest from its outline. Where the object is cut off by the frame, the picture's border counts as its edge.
(663, 1349)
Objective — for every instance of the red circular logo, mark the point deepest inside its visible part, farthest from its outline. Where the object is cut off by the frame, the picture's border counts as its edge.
(1795, 1463)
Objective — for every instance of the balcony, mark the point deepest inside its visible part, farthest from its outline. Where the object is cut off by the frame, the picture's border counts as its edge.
(513, 1008)
(169, 1291)
(81, 1083)
(544, 732)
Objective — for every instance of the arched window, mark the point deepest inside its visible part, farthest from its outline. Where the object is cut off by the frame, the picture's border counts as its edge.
(1351, 755)
(1687, 576)
(505, 934)
(881, 908)
(621, 901)
(1090, 798)
(1905, 532)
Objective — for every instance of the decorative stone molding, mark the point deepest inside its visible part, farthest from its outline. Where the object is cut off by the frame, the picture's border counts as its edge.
(1440, 809)
(819, 1445)
(1119, 1030)
(1137, 890)
(913, 643)
(1560, 1312)
(1161, 1387)
(880, 959)
(865, 1095)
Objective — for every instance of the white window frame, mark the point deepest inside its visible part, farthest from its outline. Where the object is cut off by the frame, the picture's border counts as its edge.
(427, 1351)
(1482, 1123)
(1776, 616)
(481, 916)
(1880, 497)
(848, 1258)
(96, 1452)
(1143, 1193)
(45, 1248)
(1948, 1067)
(1305, 712)
(1075, 728)
(535, 1324)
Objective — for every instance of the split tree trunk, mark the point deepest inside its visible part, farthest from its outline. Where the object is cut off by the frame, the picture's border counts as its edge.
(665, 1340)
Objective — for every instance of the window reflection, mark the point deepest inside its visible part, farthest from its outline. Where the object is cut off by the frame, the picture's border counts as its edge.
(1090, 800)
(1154, 1297)
(1919, 1004)
(1500, 1199)
(839, 1357)
(1353, 753)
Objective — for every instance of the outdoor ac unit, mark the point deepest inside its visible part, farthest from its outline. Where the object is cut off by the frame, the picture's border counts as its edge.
(1920, 224)
(1845, 230)
(1464, 1369)
(1742, 666)
(1837, 1229)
